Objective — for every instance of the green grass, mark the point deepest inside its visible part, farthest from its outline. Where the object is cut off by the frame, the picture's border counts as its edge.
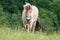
(9, 34)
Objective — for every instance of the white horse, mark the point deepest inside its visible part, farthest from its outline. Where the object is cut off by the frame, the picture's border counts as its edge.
(29, 16)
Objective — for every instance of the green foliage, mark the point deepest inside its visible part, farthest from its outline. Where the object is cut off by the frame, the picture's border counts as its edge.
(48, 19)
(49, 13)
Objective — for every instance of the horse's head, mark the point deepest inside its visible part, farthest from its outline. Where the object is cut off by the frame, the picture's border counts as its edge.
(27, 7)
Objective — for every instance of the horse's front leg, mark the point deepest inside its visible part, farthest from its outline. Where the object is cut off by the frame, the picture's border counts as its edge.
(34, 24)
(31, 25)
(27, 27)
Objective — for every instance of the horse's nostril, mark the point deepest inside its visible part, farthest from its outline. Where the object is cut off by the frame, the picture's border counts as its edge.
(27, 18)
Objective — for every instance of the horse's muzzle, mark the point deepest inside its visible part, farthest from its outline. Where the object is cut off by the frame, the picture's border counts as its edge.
(27, 18)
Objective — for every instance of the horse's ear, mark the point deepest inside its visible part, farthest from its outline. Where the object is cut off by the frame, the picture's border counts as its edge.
(23, 6)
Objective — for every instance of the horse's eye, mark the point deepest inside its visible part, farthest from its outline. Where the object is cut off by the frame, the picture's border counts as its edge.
(30, 11)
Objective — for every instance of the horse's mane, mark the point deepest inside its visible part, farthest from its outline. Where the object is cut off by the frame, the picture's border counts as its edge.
(27, 7)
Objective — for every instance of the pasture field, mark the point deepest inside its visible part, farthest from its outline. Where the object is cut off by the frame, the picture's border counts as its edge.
(10, 34)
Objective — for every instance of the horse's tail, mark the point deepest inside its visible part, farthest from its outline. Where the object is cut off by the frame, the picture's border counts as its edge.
(39, 26)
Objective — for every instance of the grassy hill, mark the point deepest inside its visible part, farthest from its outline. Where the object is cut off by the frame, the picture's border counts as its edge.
(9, 34)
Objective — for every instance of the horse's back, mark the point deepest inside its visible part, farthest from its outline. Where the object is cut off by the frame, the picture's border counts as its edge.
(34, 8)
(34, 12)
